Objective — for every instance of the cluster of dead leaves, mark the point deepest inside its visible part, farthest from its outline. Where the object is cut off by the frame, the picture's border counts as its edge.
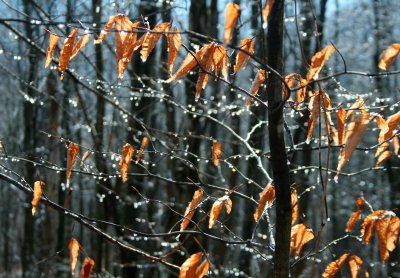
(69, 49)
(126, 157)
(355, 265)
(88, 264)
(194, 266)
(126, 39)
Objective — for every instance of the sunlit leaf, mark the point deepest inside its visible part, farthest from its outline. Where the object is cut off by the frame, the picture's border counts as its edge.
(193, 267)
(87, 267)
(314, 107)
(355, 264)
(248, 46)
(72, 153)
(174, 45)
(341, 120)
(66, 51)
(255, 86)
(216, 153)
(232, 12)
(53, 40)
(335, 266)
(266, 11)
(387, 57)
(191, 208)
(267, 197)
(216, 209)
(300, 235)
(143, 146)
(81, 43)
(107, 29)
(318, 61)
(295, 206)
(387, 132)
(383, 157)
(37, 193)
(355, 215)
(74, 247)
(126, 157)
(85, 157)
(152, 38)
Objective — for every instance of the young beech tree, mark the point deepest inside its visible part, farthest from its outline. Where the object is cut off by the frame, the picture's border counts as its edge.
(154, 177)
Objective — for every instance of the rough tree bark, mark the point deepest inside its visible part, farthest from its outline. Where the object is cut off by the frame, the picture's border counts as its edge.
(280, 168)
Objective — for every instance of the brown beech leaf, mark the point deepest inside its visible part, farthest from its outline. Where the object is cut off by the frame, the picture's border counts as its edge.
(191, 208)
(387, 229)
(335, 266)
(143, 146)
(81, 43)
(74, 247)
(387, 132)
(152, 38)
(255, 86)
(314, 107)
(353, 138)
(53, 40)
(247, 45)
(66, 51)
(357, 105)
(300, 235)
(193, 267)
(72, 153)
(87, 267)
(383, 157)
(266, 11)
(191, 61)
(220, 61)
(355, 264)
(107, 29)
(85, 156)
(355, 215)
(232, 12)
(396, 145)
(126, 157)
(295, 206)
(174, 45)
(318, 61)
(216, 209)
(37, 193)
(205, 64)
(387, 57)
(267, 197)
(341, 120)
(368, 225)
(216, 153)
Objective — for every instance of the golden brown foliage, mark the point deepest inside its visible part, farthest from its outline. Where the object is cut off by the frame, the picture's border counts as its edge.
(314, 107)
(37, 193)
(126, 157)
(216, 209)
(74, 247)
(53, 40)
(72, 153)
(355, 215)
(295, 206)
(174, 45)
(341, 115)
(267, 197)
(355, 264)
(232, 12)
(255, 86)
(387, 57)
(81, 43)
(152, 38)
(191, 208)
(66, 51)
(143, 146)
(335, 266)
(300, 235)
(318, 61)
(266, 11)
(193, 267)
(216, 153)
(248, 46)
(87, 267)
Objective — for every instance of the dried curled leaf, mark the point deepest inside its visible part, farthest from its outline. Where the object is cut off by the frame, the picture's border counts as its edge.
(193, 267)
(248, 46)
(66, 51)
(335, 266)
(232, 12)
(143, 146)
(81, 43)
(107, 28)
(174, 45)
(73, 247)
(387, 132)
(368, 225)
(37, 193)
(255, 86)
(295, 206)
(387, 57)
(300, 235)
(53, 40)
(355, 215)
(267, 197)
(216, 209)
(314, 107)
(383, 157)
(126, 157)
(341, 115)
(355, 264)
(357, 105)
(72, 153)
(87, 267)
(318, 61)
(152, 38)
(266, 11)
(216, 153)
(354, 134)
(85, 156)
(191, 208)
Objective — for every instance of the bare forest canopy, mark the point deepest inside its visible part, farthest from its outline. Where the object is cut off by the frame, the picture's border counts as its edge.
(199, 138)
